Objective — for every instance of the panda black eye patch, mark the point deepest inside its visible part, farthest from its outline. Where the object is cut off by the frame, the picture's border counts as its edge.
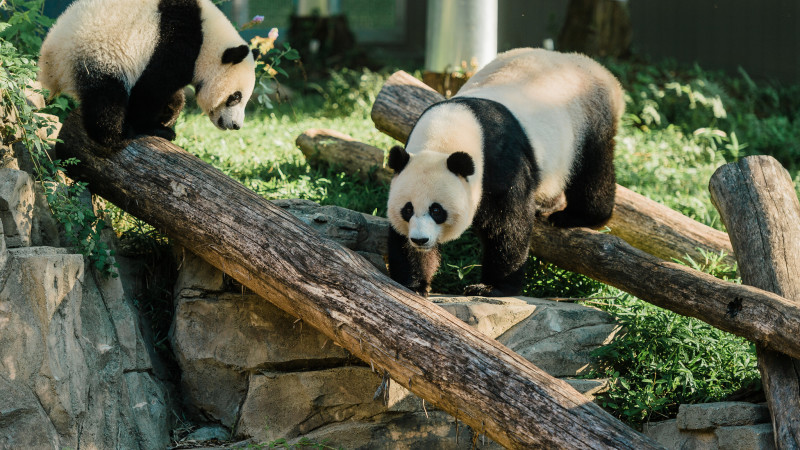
(438, 214)
(234, 99)
(407, 211)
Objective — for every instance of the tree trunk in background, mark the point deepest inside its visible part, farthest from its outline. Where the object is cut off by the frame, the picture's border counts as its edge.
(596, 28)
(758, 204)
(422, 347)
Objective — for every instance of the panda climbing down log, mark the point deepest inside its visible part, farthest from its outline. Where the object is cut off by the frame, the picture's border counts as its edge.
(127, 62)
(532, 128)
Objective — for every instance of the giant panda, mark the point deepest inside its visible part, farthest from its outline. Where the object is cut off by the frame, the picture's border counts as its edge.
(531, 130)
(127, 62)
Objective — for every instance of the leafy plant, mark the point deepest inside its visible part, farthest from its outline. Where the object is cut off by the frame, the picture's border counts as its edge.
(268, 63)
(25, 24)
(82, 226)
(663, 359)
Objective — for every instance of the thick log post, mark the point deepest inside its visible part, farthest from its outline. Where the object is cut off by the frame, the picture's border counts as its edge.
(758, 205)
(423, 348)
(645, 224)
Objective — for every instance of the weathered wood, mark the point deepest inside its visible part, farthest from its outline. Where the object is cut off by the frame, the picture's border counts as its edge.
(757, 202)
(644, 223)
(400, 102)
(746, 311)
(339, 149)
(432, 353)
(662, 231)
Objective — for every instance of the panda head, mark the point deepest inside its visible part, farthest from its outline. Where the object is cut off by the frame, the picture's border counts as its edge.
(224, 83)
(430, 200)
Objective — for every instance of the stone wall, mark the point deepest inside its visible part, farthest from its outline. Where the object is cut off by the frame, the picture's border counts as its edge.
(716, 426)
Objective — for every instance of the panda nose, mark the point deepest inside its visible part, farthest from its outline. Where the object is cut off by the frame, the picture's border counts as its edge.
(419, 241)
(235, 126)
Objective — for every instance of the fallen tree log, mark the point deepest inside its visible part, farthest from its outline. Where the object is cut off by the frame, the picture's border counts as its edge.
(425, 349)
(759, 207)
(645, 224)
(339, 149)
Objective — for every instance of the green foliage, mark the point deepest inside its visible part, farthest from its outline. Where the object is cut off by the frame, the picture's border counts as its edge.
(350, 92)
(82, 226)
(25, 25)
(764, 115)
(662, 359)
(268, 67)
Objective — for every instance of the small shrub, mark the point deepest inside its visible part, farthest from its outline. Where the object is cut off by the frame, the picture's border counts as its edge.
(663, 359)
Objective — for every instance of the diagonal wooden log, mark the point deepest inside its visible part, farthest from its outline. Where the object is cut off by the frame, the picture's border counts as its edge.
(645, 224)
(430, 352)
(759, 207)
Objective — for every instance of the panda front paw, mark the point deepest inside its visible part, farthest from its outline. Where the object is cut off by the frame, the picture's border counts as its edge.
(482, 290)
(163, 132)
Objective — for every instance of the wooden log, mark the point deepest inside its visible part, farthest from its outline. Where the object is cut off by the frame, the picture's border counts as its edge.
(664, 232)
(644, 223)
(746, 311)
(757, 202)
(433, 354)
(339, 149)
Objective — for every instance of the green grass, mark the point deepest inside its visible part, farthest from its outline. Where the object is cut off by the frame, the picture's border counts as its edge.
(681, 125)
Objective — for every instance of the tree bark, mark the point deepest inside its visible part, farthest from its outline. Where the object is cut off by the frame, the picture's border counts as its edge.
(757, 202)
(644, 223)
(596, 28)
(430, 352)
(339, 149)
(746, 311)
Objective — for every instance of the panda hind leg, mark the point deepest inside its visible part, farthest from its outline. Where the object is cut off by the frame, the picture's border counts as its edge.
(590, 192)
(104, 102)
(411, 268)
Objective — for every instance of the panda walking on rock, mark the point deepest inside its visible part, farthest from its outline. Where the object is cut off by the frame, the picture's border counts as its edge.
(529, 129)
(127, 62)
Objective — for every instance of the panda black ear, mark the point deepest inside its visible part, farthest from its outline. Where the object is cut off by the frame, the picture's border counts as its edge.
(461, 164)
(398, 158)
(235, 55)
(256, 53)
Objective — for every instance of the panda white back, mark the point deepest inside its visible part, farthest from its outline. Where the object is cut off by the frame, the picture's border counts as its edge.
(81, 34)
(550, 94)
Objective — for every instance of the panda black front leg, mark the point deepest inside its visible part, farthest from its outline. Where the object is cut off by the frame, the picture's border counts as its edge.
(103, 108)
(412, 268)
(505, 256)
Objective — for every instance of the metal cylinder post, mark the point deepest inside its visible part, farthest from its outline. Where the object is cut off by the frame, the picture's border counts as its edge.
(460, 31)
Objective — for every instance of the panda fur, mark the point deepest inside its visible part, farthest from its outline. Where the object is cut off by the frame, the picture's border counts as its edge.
(127, 62)
(532, 129)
